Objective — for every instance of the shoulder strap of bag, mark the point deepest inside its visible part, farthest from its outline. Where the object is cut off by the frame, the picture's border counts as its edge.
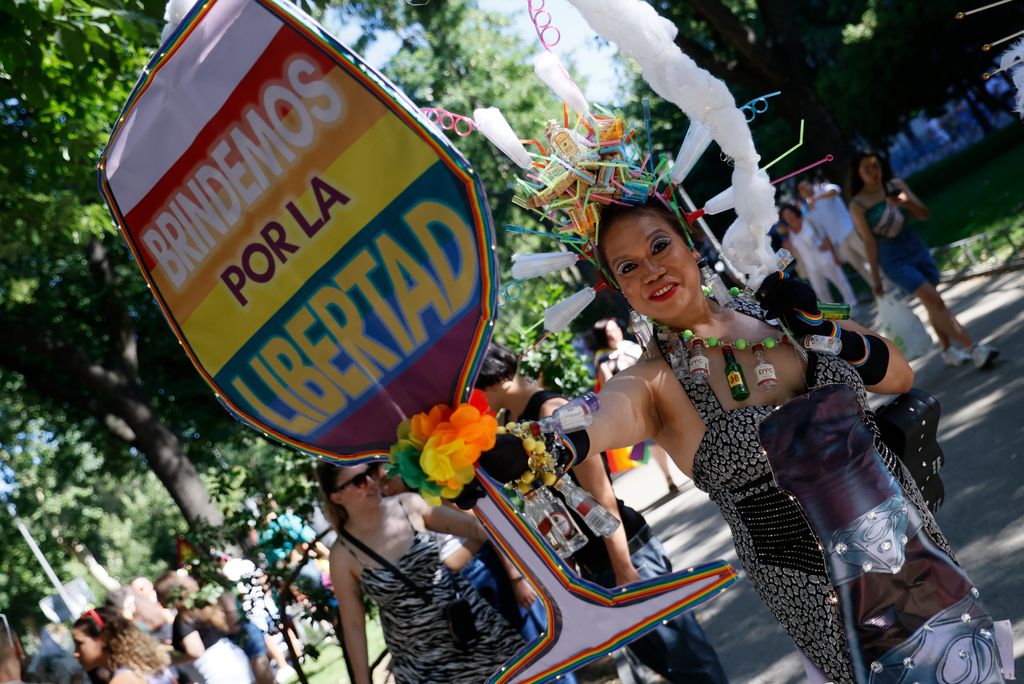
(385, 563)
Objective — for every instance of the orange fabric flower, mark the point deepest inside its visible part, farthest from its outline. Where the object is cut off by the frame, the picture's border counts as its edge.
(423, 425)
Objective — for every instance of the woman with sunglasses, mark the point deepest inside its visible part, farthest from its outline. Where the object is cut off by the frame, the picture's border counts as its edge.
(832, 532)
(372, 528)
(104, 638)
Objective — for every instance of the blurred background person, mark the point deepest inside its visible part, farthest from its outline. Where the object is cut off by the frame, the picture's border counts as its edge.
(106, 640)
(10, 654)
(148, 615)
(202, 630)
(614, 353)
(825, 209)
(412, 588)
(818, 255)
(488, 571)
(881, 207)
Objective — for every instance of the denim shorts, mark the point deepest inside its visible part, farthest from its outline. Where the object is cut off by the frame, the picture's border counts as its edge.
(906, 261)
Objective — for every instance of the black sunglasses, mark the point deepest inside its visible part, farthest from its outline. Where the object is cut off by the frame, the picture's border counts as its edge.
(359, 480)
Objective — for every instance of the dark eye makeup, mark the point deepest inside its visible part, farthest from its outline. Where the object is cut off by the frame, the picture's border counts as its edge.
(658, 244)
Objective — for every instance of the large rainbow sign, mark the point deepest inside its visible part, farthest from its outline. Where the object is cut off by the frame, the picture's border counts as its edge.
(326, 259)
(322, 253)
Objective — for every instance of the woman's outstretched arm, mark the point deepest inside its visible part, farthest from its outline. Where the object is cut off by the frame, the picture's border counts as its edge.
(628, 413)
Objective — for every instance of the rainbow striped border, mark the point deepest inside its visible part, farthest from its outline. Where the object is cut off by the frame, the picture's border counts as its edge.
(405, 109)
(591, 592)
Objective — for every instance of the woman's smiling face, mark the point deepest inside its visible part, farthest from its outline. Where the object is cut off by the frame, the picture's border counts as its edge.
(653, 266)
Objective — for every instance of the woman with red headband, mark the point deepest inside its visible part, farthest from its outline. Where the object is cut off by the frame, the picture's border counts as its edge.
(106, 639)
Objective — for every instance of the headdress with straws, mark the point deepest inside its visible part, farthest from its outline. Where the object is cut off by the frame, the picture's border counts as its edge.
(588, 157)
(1012, 60)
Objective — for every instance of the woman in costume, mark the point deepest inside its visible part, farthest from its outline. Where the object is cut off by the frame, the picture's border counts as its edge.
(415, 625)
(831, 530)
(881, 206)
(104, 638)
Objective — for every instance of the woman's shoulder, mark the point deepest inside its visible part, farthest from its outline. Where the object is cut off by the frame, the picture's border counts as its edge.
(125, 675)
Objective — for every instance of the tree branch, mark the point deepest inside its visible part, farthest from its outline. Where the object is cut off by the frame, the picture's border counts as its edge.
(738, 35)
(123, 348)
(732, 71)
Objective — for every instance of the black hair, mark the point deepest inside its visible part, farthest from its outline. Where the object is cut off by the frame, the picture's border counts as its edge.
(793, 208)
(856, 183)
(499, 365)
(600, 333)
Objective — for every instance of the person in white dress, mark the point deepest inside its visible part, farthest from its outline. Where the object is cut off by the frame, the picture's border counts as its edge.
(825, 209)
(818, 255)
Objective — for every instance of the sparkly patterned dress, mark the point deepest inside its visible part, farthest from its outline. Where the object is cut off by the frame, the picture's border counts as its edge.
(806, 550)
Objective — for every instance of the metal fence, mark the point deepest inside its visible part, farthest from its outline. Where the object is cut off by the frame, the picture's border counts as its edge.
(992, 252)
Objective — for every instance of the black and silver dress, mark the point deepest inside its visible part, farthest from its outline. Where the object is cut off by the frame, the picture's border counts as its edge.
(416, 632)
(787, 563)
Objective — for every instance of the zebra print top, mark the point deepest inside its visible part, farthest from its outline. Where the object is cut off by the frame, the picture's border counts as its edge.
(416, 631)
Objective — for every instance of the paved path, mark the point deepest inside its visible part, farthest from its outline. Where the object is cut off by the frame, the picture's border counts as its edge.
(982, 433)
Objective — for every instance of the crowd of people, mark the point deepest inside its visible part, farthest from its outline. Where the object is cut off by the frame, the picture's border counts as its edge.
(872, 234)
(430, 569)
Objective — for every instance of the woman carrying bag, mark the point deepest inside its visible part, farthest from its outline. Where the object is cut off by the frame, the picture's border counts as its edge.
(881, 207)
(437, 627)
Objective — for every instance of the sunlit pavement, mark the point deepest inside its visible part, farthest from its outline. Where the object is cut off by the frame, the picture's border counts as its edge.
(982, 433)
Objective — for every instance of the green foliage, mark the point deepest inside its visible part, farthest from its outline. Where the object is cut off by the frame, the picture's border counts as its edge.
(900, 57)
(974, 191)
(65, 496)
(555, 362)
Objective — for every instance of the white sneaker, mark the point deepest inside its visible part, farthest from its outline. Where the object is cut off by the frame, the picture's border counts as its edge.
(983, 355)
(285, 674)
(955, 356)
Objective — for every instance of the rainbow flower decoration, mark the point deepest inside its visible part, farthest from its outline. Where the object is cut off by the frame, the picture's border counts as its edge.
(437, 450)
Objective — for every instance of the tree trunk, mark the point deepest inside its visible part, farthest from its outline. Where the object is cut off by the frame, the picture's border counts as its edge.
(177, 473)
(110, 390)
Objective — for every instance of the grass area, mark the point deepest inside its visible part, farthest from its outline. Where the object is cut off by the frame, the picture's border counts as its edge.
(329, 667)
(974, 191)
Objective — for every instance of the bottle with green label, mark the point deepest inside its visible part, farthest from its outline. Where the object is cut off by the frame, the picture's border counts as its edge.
(734, 375)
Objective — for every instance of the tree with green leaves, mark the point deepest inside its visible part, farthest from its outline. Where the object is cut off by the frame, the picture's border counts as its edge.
(87, 348)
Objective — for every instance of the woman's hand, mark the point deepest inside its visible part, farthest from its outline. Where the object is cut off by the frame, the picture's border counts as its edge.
(626, 574)
(877, 287)
(507, 460)
(786, 298)
(523, 591)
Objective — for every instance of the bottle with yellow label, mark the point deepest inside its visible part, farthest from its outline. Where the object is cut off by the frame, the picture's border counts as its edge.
(734, 375)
